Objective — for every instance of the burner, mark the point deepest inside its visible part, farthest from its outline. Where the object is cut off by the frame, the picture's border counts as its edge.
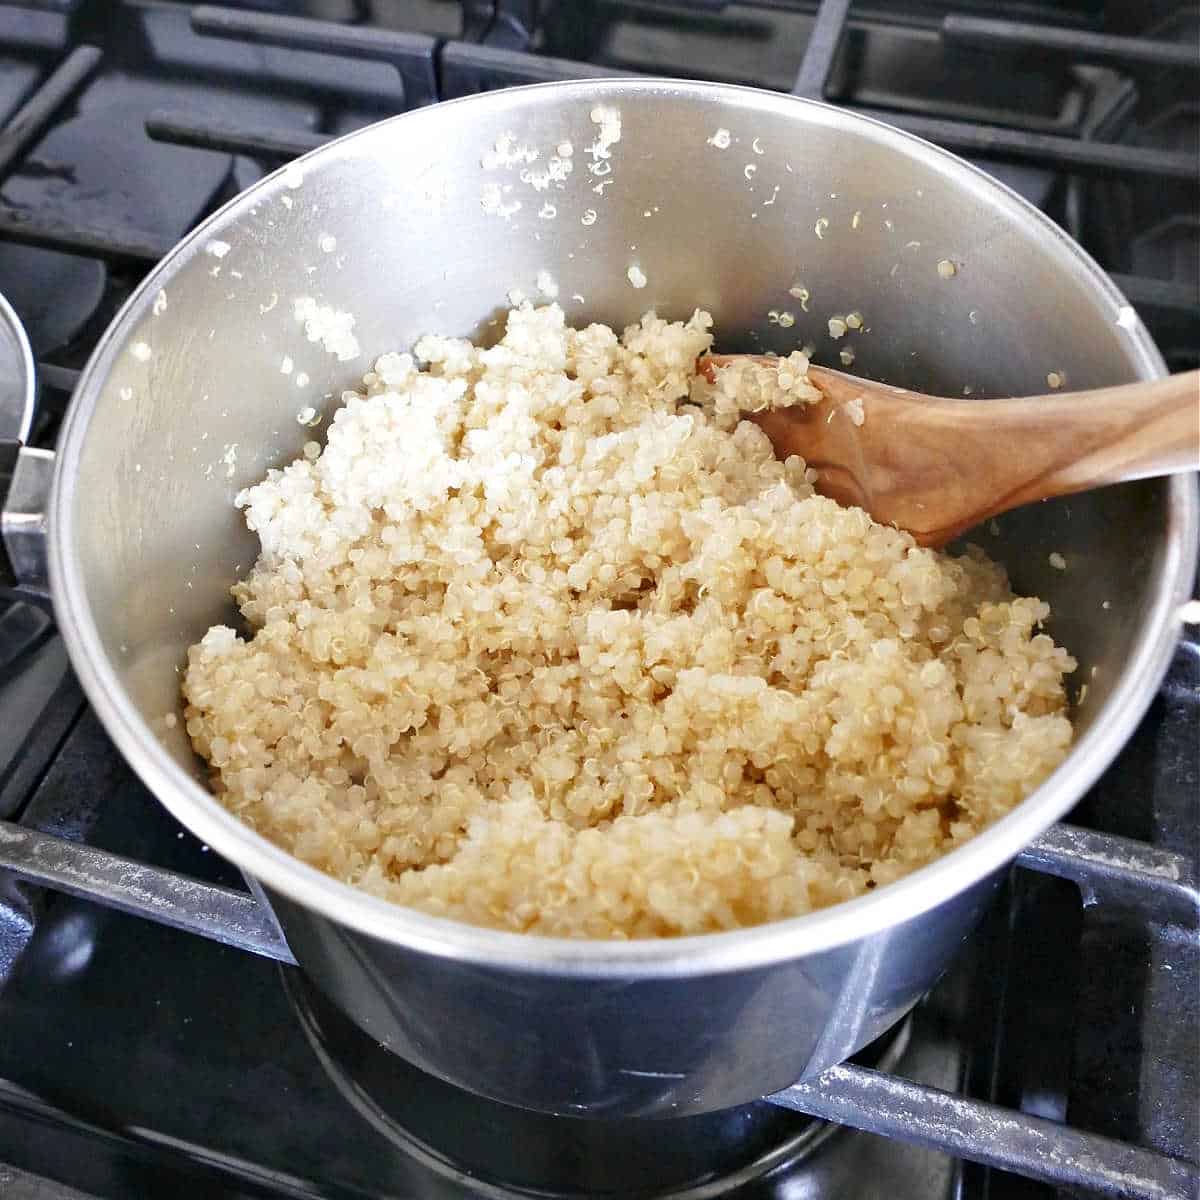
(510, 1152)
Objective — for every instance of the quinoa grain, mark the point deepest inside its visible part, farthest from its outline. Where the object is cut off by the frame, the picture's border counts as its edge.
(544, 638)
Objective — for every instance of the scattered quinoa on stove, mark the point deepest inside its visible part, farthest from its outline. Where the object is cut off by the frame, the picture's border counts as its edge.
(546, 639)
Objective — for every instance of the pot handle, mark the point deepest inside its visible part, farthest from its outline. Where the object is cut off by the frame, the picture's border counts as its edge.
(25, 477)
(223, 914)
(25, 473)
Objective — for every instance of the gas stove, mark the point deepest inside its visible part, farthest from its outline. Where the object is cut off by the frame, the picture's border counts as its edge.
(183, 1055)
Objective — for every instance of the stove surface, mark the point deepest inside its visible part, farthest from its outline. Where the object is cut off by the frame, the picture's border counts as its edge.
(138, 1060)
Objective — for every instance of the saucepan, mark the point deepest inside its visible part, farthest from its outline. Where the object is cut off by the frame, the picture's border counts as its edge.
(772, 213)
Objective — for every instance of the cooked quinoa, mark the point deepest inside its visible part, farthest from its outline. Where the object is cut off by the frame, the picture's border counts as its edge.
(545, 638)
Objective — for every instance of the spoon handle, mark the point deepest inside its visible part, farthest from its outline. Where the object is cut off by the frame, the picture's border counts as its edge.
(1067, 442)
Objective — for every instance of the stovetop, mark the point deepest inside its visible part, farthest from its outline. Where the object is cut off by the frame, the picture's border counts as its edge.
(138, 1060)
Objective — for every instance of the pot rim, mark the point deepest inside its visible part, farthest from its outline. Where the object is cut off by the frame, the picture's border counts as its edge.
(759, 946)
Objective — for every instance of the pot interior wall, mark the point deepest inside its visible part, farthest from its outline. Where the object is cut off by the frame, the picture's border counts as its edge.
(427, 223)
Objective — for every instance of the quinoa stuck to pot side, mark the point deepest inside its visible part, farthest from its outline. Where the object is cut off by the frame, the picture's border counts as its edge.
(546, 639)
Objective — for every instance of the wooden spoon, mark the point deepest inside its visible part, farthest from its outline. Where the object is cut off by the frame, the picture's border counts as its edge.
(936, 466)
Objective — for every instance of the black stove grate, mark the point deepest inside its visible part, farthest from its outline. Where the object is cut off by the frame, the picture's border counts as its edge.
(1118, 1132)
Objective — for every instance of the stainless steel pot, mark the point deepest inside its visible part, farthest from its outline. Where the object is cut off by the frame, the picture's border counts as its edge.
(420, 224)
